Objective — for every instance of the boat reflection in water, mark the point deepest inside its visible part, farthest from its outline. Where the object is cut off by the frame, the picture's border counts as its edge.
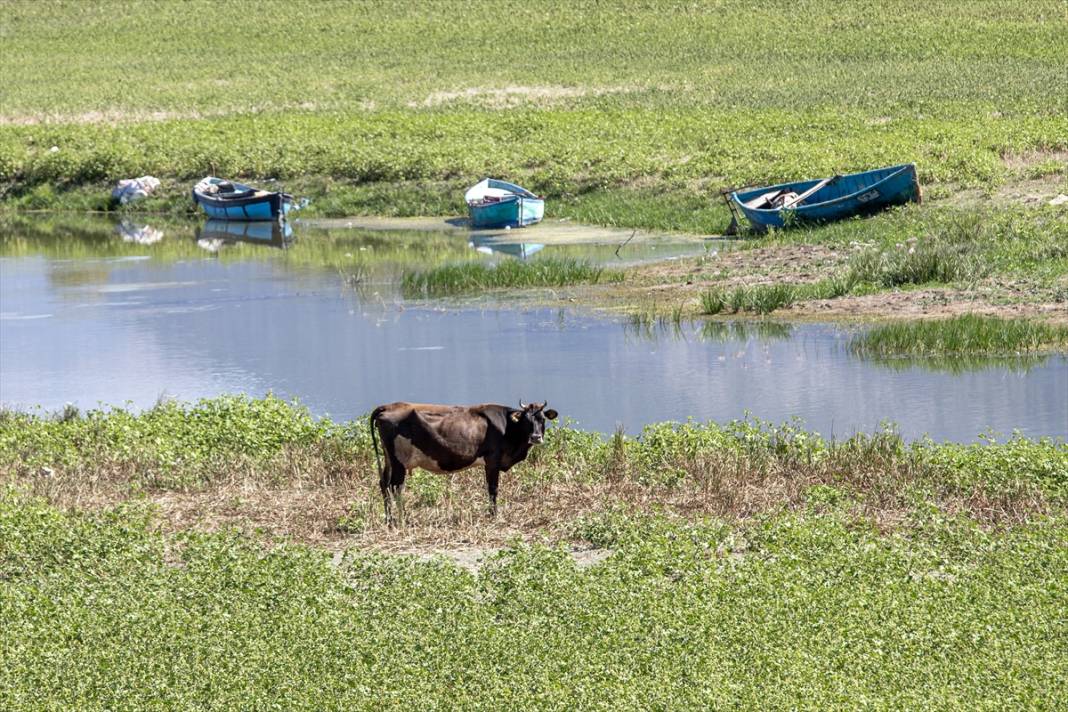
(522, 250)
(214, 234)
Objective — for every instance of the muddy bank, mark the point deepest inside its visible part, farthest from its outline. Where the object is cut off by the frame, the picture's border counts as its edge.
(548, 232)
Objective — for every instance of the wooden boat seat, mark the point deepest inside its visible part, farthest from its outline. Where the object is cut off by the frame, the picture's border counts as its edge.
(798, 199)
(772, 199)
(762, 201)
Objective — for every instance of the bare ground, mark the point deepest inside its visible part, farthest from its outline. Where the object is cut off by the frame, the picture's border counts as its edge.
(336, 504)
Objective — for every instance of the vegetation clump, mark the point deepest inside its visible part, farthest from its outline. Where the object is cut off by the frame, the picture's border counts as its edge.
(966, 335)
(478, 276)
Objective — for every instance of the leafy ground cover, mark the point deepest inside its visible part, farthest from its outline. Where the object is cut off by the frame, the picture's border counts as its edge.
(386, 101)
(798, 589)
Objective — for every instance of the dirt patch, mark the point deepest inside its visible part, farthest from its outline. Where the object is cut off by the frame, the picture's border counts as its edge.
(473, 559)
(513, 96)
(1030, 159)
(115, 117)
(731, 267)
(928, 304)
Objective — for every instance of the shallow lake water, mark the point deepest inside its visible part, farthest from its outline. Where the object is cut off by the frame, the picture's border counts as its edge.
(108, 320)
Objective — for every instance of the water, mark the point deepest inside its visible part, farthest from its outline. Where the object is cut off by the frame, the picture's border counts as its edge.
(100, 324)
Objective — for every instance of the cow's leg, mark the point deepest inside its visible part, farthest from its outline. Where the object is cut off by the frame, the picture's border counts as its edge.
(387, 498)
(396, 485)
(392, 484)
(493, 476)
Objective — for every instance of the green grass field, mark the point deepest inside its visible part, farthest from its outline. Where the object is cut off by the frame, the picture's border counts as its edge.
(662, 102)
(779, 570)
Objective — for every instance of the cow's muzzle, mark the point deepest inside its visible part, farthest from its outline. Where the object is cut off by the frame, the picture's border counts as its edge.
(535, 439)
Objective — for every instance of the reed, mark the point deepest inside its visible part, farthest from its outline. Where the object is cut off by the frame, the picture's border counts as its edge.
(965, 335)
(471, 277)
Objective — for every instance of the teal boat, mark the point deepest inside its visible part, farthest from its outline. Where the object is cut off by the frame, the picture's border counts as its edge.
(826, 200)
(225, 200)
(493, 203)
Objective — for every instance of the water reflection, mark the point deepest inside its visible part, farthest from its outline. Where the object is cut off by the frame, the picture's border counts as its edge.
(137, 233)
(96, 312)
(653, 328)
(520, 250)
(371, 255)
(958, 365)
(759, 331)
(131, 329)
(216, 234)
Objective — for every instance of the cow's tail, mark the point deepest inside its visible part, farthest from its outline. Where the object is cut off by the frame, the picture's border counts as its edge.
(374, 436)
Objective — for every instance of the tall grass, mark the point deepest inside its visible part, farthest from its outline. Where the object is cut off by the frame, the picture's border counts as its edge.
(925, 261)
(759, 299)
(964, 335)
(517, 274)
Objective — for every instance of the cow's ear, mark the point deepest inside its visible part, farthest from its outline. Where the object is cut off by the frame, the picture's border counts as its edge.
(551, 414)
(497, 418)
(516, 416)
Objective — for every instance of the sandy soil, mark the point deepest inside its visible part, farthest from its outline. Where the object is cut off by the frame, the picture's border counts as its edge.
(547, 232)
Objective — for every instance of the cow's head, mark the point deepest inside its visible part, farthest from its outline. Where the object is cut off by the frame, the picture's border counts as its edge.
(530, 419)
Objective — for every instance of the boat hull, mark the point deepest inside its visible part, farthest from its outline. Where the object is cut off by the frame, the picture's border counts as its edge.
(847, 196)
(514, 211)
(263, 206)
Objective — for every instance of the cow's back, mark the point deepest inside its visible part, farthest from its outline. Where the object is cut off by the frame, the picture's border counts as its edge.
(439, 438)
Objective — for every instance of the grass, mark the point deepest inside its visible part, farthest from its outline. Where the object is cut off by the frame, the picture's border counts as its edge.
(904, 249)
(273, 464)
(389, 101)
(381, 56)
(102, 611)
(924, 244)
(468, 277)
(965, 335)
(136, 571)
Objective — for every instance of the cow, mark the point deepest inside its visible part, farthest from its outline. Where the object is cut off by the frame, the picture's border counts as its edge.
(447, 438)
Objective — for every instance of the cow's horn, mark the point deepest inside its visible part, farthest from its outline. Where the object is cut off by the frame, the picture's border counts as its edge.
(521, 406)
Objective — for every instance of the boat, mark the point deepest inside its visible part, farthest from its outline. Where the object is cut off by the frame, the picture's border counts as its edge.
(226, 200)
(824, 200)
(493, 203)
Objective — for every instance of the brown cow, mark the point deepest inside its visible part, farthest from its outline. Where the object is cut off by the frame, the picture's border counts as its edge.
(448, 438)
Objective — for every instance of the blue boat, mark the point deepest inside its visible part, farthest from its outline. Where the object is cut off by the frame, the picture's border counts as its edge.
(493, 203)
(834, 198)
(226, 200)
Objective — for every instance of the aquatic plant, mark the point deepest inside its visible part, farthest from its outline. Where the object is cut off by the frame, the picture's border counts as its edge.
(477, 276)
(713, 301)
(966, 335)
